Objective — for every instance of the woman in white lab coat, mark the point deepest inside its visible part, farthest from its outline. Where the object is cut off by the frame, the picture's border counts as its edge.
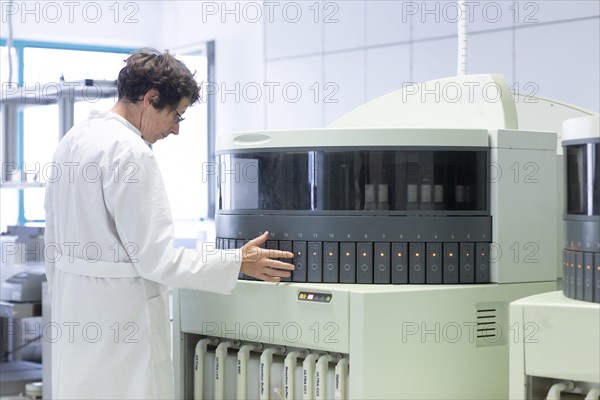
(109, 243)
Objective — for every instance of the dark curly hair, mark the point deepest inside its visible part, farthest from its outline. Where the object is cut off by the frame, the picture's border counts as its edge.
(150, 69)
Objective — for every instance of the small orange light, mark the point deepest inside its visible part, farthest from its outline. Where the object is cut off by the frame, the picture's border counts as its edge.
(381, 254)
(578, 266)
(417, 254)
(330, 254)
(347, 254)
(364, 254)
(399, 254)
(587, 267)
(433, 254)
(451, 254)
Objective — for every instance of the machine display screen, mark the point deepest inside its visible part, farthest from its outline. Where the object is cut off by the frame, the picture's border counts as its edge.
(354, 180)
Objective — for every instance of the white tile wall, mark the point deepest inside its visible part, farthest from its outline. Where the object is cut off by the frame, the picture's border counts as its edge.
(345, 74)
(344, 24)
(434, 59)
(285, 112)
(561, 58)
(562, 61)
(296, 28)
(430, 20)
(387, 69)
(440, 18)
(490, 15)
(491, 52)
(540, 12)
(385, 22)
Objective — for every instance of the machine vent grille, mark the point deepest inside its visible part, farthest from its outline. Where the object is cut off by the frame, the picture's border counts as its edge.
(489, 323)
(487, 327)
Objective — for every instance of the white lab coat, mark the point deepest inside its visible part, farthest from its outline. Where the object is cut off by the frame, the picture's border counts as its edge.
(109, 259)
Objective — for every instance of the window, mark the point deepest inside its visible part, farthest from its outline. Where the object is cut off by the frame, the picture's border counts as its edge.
(9, 199)
(44, 68)
(180, 158)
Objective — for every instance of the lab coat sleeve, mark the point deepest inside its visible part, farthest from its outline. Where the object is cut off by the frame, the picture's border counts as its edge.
(142, 215)
(49, 240)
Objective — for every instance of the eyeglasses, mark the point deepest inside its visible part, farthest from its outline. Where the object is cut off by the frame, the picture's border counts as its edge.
(179, 117)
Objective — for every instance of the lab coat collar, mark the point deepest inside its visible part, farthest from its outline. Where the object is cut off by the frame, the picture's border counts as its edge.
(111, 115)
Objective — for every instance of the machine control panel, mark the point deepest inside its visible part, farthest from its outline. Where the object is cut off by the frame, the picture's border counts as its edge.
(581, 275)
(315, 297)
(383, 262)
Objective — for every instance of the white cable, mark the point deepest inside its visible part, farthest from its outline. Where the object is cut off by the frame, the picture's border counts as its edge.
(462, 39)
(341, 373)
(593, 394)
(266, 359)
(242, 369)
(557, 388)
(289, 373)
(308, 376)
(321, 376)
(199, 366)
(220, 357)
